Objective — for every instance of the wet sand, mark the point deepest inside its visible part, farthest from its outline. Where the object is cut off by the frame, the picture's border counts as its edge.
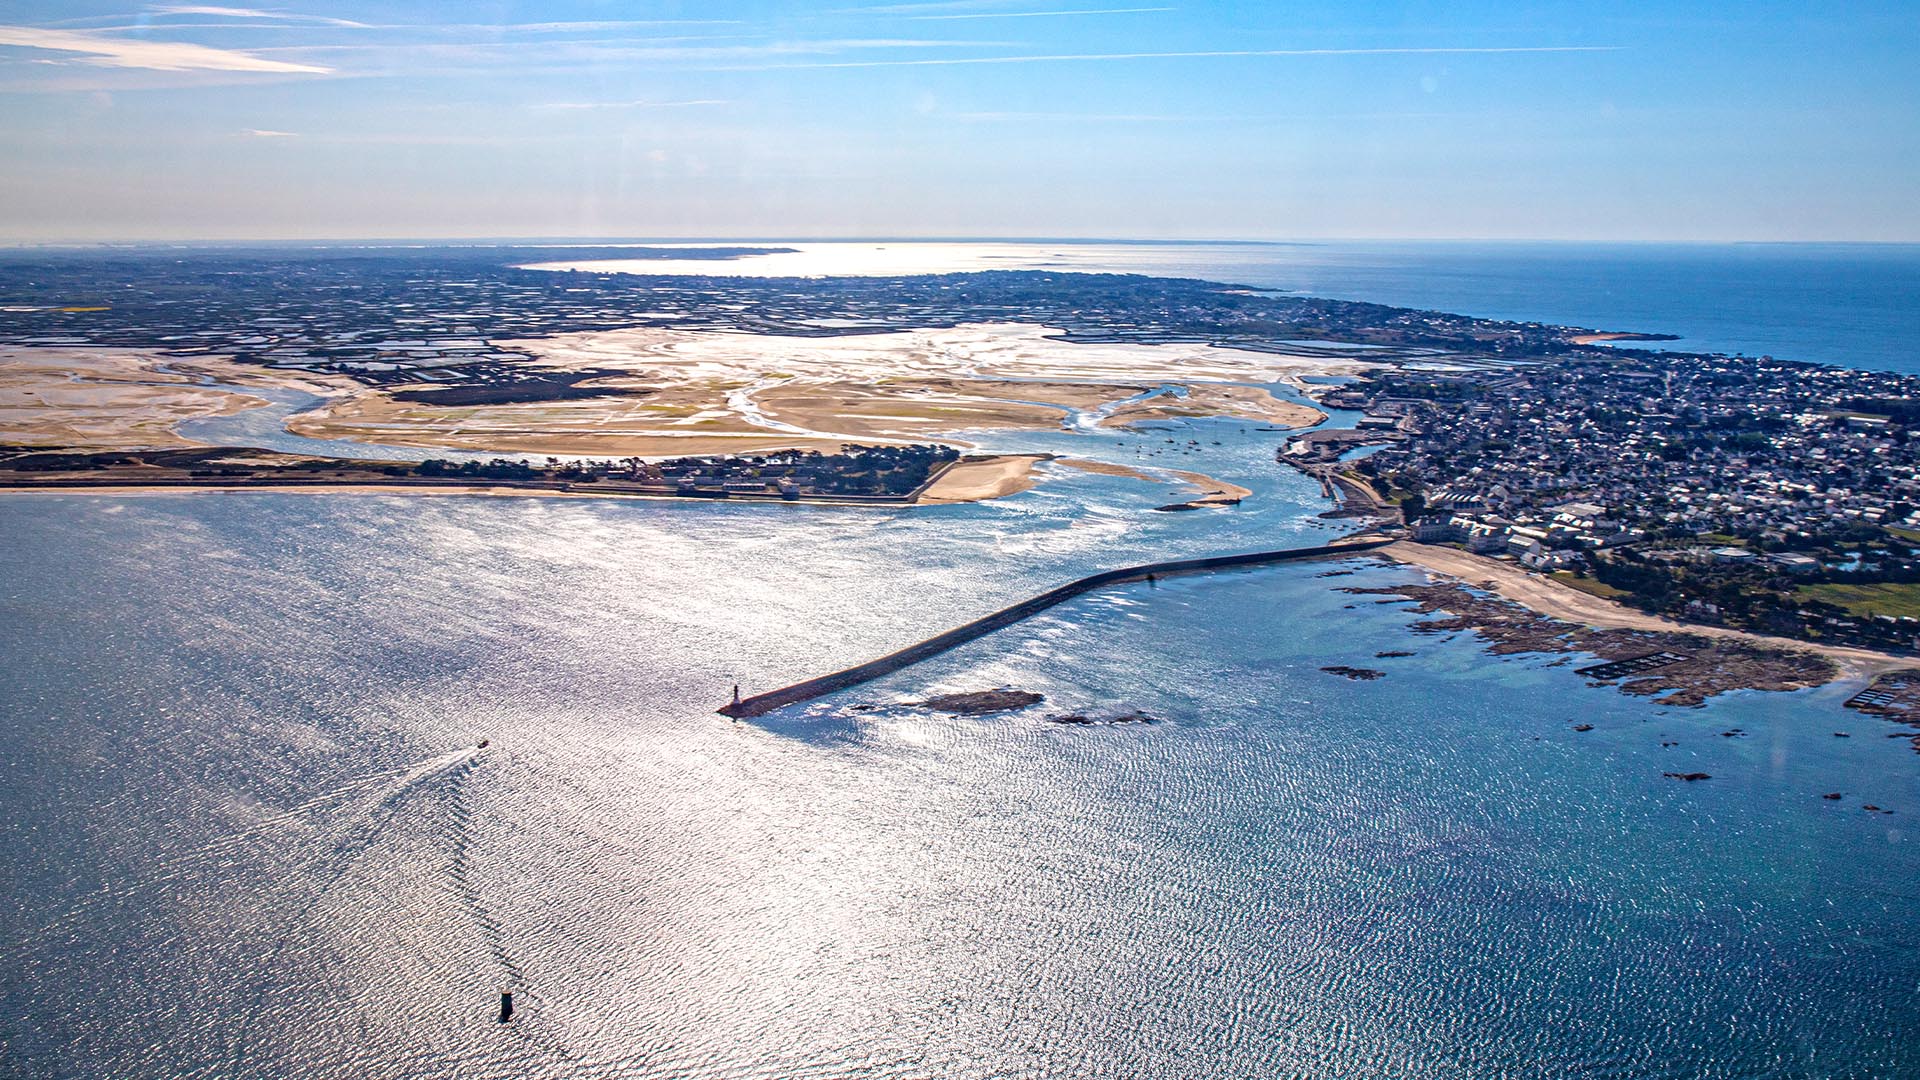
(102, 399)
(1212, 492)
(1215, 399)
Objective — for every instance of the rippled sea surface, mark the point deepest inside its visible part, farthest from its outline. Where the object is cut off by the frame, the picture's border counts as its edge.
(247, 831)
(248, 834)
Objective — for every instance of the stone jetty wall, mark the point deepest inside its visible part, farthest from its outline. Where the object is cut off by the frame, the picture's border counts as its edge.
(987, 624)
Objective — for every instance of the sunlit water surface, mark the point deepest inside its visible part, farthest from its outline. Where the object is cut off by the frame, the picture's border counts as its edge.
(1847, 304)
(247, 834)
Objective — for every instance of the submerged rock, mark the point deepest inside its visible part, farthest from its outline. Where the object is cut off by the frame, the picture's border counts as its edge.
(1688, 776)
(978, 702)
(1358, 673)
(1082, 719)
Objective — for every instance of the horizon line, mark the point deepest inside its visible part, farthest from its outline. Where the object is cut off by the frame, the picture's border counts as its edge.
(576, 240)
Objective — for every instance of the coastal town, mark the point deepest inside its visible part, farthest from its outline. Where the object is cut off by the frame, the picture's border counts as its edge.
(1756, 494)
(1761, 494)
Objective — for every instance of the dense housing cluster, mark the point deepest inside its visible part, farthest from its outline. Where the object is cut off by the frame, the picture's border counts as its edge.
(1760, 493)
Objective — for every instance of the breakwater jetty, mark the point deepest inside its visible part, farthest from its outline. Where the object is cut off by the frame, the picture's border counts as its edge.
(758, 704)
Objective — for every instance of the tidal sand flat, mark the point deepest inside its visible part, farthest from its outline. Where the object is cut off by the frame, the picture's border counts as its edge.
(102, 398)
(708, 391)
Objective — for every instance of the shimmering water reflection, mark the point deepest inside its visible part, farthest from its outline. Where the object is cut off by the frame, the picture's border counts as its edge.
(248, 836)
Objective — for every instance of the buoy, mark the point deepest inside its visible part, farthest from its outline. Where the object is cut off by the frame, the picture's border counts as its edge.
(506, 1005)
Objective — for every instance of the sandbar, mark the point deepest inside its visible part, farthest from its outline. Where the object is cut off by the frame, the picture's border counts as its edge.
(1211, 492)
(1218, 399)
(975, 479)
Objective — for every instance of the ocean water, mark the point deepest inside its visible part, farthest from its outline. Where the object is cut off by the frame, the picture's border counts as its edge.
(248, 831)
(1853, 305)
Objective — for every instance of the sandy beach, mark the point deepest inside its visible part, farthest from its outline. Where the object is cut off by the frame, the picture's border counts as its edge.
(1551, 598)
(973, 480)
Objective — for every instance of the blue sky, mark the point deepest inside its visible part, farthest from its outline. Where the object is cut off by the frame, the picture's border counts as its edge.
(1058, 118)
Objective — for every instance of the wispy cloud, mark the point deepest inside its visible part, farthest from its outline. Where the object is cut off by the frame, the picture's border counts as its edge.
(117, 52)
(599, 25)
(266, 133)
(1038, 14)
(526, 56)
(1199, 54)
(248, 13)
(925, 6)
(1054, 117)
(631, 104)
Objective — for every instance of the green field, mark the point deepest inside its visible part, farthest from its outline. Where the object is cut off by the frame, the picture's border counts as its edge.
(1867, 600)
(1588, 585)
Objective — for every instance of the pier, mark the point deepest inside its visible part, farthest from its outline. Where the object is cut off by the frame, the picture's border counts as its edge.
(759, 704)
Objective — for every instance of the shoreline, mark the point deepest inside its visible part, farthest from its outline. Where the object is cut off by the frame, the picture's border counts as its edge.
(965, 481)
(360, 488)
(1551, 599)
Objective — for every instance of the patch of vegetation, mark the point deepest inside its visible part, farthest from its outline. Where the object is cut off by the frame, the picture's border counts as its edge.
(1588, 585)
(1882, 598)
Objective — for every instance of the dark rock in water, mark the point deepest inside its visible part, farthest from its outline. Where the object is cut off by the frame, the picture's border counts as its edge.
(1834, 795)
(1841, 735)
(1081, 719)
(1356, 673)
(1734, 733)
(1669, 744)
(867, 707)
(1391, 652)
(1872, 809)
(978, 702)
(1175, 508)
(1688, 776)
(1583, 727)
